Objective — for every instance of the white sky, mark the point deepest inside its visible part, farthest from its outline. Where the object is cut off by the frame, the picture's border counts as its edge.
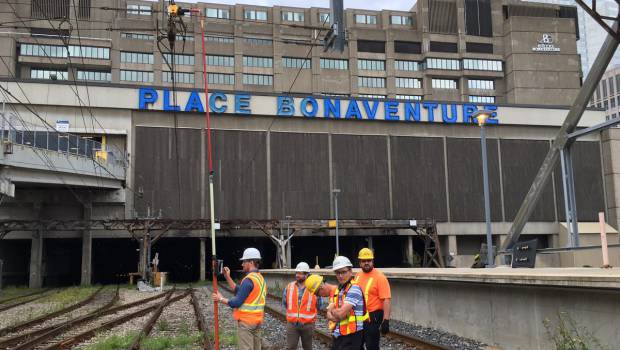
(402, 5)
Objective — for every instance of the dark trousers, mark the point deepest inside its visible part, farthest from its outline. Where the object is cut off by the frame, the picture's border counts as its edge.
(348, 342)
(371, 331)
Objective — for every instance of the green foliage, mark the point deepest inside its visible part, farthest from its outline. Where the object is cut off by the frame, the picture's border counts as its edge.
(568, 335)
(115, 342)
(192, 341)
(70, 295)
(163, 325)
(15, 291)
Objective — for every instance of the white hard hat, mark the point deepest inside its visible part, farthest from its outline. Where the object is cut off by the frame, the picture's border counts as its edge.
(251, 254)
(302, 267)
(340, 262)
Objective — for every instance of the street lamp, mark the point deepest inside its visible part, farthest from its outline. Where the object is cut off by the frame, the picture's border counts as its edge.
(335, 191)
(482, 116)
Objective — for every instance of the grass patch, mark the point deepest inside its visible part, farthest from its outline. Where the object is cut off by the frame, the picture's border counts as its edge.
(70, 295)
(163, 325)
(15, 291)
(115, 342)
(226, 337)
(193, 341)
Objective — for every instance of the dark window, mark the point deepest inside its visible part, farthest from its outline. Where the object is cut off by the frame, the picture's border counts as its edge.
(570, 12)
(408, 47)
(478, 18)
(371, 46)
(598, 92)
(442, 16)
(530, 11)
(439, 46)
(84, 9)
(618, 83)
(479, 47)
(50, 9)
(605, 105)
(48, 32)
(604, 84)
(611, 86)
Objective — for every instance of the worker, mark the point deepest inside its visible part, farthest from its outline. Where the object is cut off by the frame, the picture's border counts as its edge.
(378, 297)
(301, 307)
(347, 309)
(248, 302)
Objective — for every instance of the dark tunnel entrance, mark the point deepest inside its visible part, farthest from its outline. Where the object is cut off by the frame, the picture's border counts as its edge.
(62, 261)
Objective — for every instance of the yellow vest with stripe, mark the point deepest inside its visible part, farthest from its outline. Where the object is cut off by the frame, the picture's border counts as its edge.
(300, 312)
(349, 324)
(366, 289)
(252, 310)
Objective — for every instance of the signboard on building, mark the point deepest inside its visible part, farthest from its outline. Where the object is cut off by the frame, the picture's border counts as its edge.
(62, 125)
(546, 44)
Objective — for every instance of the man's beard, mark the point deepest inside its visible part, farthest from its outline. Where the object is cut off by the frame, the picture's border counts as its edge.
(301, 280)
(367, 268)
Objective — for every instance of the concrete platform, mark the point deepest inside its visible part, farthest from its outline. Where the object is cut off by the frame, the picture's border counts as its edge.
(502, 307)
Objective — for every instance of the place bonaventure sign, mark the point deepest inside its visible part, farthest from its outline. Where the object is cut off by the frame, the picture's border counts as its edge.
(312, 107)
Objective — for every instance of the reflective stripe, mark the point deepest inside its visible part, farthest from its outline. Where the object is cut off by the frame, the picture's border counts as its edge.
(291, 289)
(309, 316)
(310, 297)
(368, 284)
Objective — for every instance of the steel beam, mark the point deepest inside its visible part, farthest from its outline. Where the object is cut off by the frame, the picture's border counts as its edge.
(561, 140)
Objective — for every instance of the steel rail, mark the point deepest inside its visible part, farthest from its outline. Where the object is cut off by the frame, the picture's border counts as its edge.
(76, 339)
(43, 318)
(14, 305)
(23, 296)
(148, 326)
(200, 320)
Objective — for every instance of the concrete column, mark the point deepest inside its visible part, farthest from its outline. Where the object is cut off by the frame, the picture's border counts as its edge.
(87, 248)
(452, 249)
(36, 260)
(370, 242)
(409, 250)
(203, 259)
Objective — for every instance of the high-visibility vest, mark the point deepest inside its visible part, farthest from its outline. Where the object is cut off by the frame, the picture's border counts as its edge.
(366, 288)
(252, 310)
(349, 324)
(300, 312)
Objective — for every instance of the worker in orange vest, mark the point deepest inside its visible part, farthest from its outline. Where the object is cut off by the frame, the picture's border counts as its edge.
(248, 302)
(301, 307)
(378, 298)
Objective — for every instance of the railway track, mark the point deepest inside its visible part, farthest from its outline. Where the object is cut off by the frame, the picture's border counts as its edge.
(30, 299)
(4, 301)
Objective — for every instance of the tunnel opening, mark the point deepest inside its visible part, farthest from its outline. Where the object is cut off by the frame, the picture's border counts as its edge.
(15, 256)
(180, 257)
(113, 260)
(62, 261)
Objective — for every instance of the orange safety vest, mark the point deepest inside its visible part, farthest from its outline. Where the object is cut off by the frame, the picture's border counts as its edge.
(349, 324)
(365, 290)
(302, 312)
(252, 310)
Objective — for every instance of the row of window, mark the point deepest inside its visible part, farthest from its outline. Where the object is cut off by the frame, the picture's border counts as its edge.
(151, 37)
(365, 64)
(140, 10)
(296, 16)
(65, 51)
(185, 60)
(481, 84)
(371, 82)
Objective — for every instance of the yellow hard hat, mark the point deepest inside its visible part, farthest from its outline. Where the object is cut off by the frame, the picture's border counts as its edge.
(313, 282)
(366, 254)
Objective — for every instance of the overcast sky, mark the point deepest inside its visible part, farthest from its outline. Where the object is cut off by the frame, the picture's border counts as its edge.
(403, 5)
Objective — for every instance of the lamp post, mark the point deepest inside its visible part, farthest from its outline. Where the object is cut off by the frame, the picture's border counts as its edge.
(481, 117)
(335, 191)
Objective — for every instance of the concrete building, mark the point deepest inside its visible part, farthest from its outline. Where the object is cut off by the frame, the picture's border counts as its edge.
(388, 122)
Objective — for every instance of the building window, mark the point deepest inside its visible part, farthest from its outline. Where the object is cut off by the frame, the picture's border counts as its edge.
(136, 75)
(89, 52)
(371, 96)
(181, 37)
(331, 63)
(258, 41)
(409, 97)
(138, 36)
(42, 50)
(442, 46)
(481, 84)
(257, 79)
(604, 84)
(184, 60)
(444, 84)
(371, 82)
(53, 74)
(408, 83)
(255, 15)
(364, 64)
(223, 61)
(94, 75)
(612, 102)
(618, 83)
(141, 10)
(365, 19)
(220, 78)
(255, 61)
(292, 16)
(323, 17)
(413, 47)
(218, 13)
(618, 100)
(442, 63)
(478, 18)
(406, 65)
(401, 20)
(611, 86)
(605, 105)
(486, 65)
(371, 46)
(292, 62)
(481, 99)
(219, 39)
(179, 77)
(136, 57)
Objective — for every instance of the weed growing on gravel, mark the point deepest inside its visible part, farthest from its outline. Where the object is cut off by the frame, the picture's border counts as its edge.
(115, 342)
(14, 291)
(568, 335)
(184, 328)
(185, 342)
(228, 338)
(163, 325)
(70, 295)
